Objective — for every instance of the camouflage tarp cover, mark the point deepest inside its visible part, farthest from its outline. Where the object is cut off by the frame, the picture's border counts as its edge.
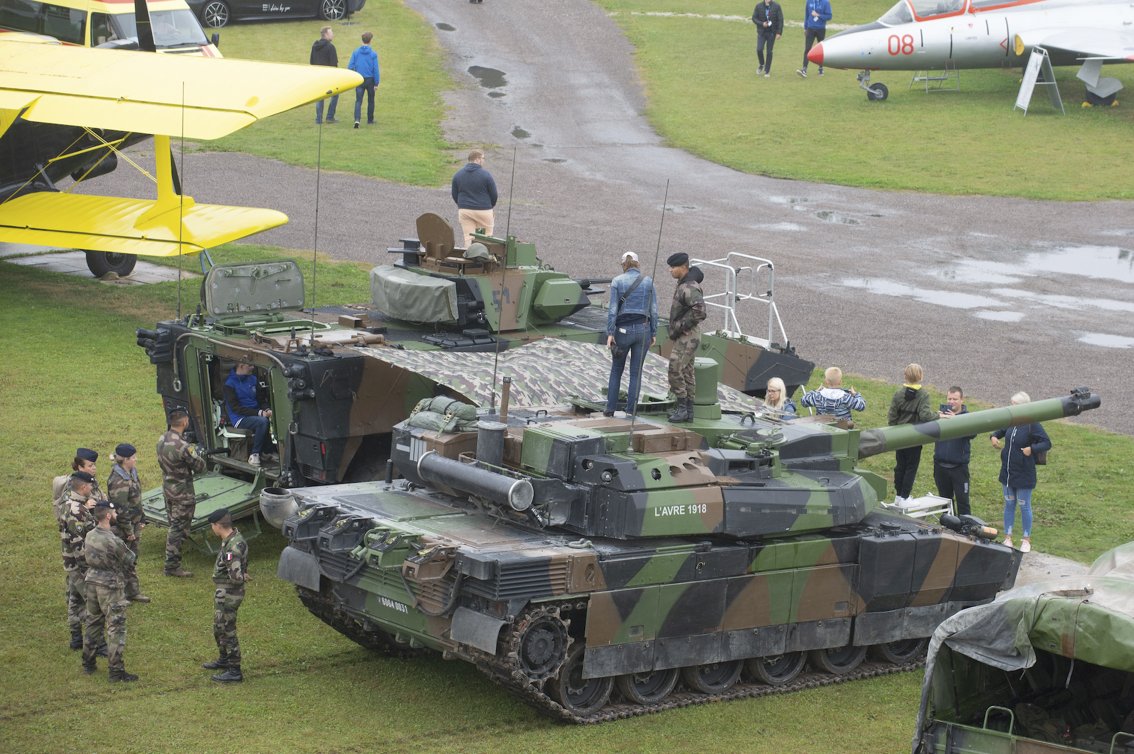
(416, 297)
(1089, 618)
(545, 373)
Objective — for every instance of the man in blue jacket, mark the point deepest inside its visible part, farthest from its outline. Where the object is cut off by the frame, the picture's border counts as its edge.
(474, 192)
(364, 62)
(243, 406)
(815, 17)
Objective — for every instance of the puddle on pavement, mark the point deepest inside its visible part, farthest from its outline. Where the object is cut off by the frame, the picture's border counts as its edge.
(556, 160)
(829, 216)
(520, 133)
(971, 272)
(1076, 303)
(497, 95)
(1106, 340)
(950, 299)
(1107, 262)
(489, 78)
(786, 227)
(999, 316)
(445, 27)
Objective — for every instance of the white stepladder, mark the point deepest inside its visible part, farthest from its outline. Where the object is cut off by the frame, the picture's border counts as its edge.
(758, 276)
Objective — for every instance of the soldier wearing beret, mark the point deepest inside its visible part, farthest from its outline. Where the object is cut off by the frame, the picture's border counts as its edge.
(178, 460)
(75, 521)
(85, 460)
(685, 315)
(125, 491)
(108, 560)
(229, 574)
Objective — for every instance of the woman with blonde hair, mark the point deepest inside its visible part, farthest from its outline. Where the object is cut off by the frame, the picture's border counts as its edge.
(776, 399)
(910, 405)
(1018, 471)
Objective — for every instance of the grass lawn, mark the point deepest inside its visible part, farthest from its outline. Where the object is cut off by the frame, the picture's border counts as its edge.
(73, 376)
(704, 97)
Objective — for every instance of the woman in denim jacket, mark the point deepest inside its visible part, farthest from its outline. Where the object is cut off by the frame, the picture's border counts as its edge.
(631, 328)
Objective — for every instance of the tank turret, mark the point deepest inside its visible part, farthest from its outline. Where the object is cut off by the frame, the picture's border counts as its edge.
(574, 556)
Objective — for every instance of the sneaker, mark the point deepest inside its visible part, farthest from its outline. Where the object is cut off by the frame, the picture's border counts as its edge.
(820, 73)
(1026, 545)
(356, 124)
(767, 75)
(1008, 541)
(370, 123)
(333, 120)
(802, 72)
(254, 459)
(319, 122)
(608, 414)
(759, 70)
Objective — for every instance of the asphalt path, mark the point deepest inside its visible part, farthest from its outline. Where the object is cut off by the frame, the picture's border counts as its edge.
(995, 294)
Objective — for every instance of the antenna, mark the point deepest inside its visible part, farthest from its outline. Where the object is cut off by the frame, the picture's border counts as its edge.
(503, 270)
(315, 245)
(654, 293)
(179, 188)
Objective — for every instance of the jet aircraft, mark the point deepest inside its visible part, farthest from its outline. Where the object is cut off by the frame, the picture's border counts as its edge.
(924, 35)
(69, 111)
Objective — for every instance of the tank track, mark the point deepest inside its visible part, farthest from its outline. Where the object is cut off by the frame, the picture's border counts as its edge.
(533, 694)
(324, 608)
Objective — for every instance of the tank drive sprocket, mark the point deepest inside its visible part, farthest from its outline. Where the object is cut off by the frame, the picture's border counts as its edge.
(536, 644)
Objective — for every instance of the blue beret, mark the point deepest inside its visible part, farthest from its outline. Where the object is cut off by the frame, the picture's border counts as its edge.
(218, 515)
(83, 476)
(87, 454)
(125, 450)
(678, 259)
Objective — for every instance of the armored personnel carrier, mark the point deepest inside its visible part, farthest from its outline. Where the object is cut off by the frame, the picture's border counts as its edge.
(441, 322)
(570, 556)
(1047, 667)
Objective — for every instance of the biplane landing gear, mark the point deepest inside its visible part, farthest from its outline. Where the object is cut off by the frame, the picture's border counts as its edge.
(102, 263)
(874, 92)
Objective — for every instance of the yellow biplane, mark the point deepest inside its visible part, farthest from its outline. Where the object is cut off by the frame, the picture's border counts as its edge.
(69, 111)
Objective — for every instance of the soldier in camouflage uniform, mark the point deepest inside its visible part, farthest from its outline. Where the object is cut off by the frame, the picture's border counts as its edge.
(125, 491)
(108, 561)
(74, 523)
(685, 314)
(85, 459)
(229, 574)
(178, 460)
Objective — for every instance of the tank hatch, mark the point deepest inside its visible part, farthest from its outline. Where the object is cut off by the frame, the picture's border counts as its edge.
(253, 288)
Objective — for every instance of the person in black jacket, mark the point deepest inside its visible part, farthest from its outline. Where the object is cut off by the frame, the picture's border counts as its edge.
(323, 53)
(951, 457)
(769, 20)
(1018, 471)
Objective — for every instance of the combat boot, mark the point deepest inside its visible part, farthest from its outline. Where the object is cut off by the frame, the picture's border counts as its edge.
(180, 573)
(101, 650)
(218, 664)
(683, 412)
(231, 675)
(139, 597)
(90, 667)
(76, 638)
(122, 675)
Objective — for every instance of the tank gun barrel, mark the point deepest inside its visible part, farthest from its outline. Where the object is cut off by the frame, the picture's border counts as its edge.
(885, 439)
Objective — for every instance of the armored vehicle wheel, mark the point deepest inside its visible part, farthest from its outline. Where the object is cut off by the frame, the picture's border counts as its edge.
(714, 677)
(538, 643)
(903, 651)
(578, 695)
(838, 660)
(647, 688)
(776, 670)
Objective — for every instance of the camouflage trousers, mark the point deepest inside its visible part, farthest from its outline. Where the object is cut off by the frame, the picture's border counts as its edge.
(682, 381)
(106, 614)
(133, 588)
(76, 591)
(180, 517)
(226, 602)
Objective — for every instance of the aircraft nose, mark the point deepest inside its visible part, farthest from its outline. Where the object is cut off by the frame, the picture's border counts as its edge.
(816, 54)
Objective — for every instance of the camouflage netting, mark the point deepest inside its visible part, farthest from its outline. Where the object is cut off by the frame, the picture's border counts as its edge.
(546, 373)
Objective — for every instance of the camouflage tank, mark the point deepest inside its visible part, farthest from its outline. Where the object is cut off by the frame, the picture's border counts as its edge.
(1047, 667)
(572, 555)
(442, 321)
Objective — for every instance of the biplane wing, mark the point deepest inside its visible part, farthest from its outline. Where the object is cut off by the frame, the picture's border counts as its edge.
(89, 101)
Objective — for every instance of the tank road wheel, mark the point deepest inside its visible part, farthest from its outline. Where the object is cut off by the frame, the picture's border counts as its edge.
(537, 644)
(903, 651)
(714, 677)
(776, 670)
(647, 688)
(838, 660)
(579, 696)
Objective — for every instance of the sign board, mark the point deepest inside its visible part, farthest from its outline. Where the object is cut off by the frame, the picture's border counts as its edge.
(1038, 63)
